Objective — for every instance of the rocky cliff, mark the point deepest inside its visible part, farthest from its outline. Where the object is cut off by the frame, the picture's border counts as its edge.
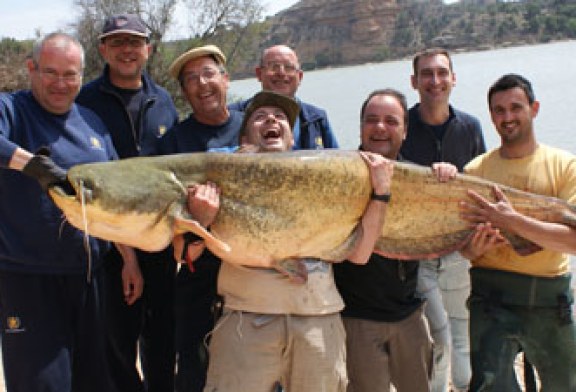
(327, 32)
(342, 32)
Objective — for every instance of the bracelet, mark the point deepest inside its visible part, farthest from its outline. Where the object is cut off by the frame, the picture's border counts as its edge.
(385, 198)
(189, 238)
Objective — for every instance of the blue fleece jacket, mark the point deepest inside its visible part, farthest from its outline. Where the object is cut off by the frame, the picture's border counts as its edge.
(33, 234)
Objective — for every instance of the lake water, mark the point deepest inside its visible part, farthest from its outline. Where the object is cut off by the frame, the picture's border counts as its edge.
(550, 67)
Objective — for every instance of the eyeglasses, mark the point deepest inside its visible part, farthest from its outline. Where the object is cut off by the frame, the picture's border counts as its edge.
(194, 78)
(133, 42)
(52, 76)
(275, 67)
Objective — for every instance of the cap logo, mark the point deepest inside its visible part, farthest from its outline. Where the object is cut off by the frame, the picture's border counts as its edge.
(121, 22)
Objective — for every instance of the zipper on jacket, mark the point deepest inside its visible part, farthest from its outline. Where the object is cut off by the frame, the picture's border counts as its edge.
(149, 100)
(147, 104)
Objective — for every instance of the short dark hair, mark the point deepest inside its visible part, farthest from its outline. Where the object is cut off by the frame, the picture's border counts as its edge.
(427, 53)
(401, 98)
(509, 81)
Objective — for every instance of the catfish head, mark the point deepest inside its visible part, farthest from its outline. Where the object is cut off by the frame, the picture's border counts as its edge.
(132, 201)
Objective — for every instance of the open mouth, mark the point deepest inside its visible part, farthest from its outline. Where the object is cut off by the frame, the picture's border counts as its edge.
(271, 133)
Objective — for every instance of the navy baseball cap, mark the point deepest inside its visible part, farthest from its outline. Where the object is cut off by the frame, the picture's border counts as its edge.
(124, 24)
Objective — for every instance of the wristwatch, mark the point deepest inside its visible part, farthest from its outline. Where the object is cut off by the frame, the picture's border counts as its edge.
(385, 197)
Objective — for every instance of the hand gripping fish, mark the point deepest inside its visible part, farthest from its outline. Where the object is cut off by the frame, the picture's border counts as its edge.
(281, 206)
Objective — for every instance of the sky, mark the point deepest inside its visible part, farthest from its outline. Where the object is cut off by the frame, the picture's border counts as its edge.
(21, 19)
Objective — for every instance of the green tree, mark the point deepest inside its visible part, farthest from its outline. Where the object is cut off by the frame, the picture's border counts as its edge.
(13, 74)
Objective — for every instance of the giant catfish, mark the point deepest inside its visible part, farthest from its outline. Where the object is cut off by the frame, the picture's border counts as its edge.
(280, 206)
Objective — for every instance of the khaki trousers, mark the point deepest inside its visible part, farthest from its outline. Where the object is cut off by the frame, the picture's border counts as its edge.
(253, 352)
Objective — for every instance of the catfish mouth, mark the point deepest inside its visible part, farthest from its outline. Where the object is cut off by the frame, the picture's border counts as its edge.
(80, 190)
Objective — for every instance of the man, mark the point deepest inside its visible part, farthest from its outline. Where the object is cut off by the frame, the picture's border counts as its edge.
(211, 127)
(279, 71)
(140, 285)
(439, 133)
(387, 338)
(50, 278)
(520, 302)
(292, 337)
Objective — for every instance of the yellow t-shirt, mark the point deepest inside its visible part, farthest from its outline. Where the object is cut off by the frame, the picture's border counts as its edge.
(548, 171)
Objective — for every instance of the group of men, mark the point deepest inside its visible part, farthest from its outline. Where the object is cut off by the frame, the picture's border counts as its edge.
(77, 312)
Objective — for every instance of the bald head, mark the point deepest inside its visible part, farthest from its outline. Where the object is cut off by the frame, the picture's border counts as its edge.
(55, 71)
(278, 50)
(279, 70)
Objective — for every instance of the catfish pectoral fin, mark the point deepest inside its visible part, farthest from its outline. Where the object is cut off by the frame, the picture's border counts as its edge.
(522, 246)
(293, 269)
(529, 249)
(182, 225)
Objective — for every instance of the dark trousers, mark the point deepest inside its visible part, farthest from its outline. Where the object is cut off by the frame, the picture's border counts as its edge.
(194, 309)
(52, 339)
(148, 323)
(511, 313)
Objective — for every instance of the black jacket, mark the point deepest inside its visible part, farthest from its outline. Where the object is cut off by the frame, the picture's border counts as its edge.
(462, 141)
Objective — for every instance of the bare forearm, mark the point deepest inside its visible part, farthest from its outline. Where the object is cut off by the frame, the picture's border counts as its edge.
(552, 236)
(501, 215)
(128, 253)
(19, 159)
(371, 223)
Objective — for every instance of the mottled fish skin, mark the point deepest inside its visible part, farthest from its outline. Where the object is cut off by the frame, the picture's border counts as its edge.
(280, 206)
(423, 218)
(286, 205)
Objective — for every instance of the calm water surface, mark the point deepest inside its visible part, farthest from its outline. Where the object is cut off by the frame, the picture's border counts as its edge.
(550, 67)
